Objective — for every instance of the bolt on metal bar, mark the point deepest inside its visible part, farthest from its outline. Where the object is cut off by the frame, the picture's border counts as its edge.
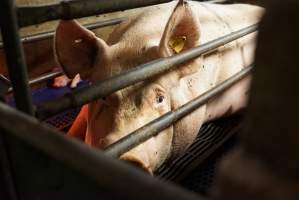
(40, 79)
(159, 124)
(30, 15)
(47, 35)
(89, 161)
(145, 71)
(15, 56)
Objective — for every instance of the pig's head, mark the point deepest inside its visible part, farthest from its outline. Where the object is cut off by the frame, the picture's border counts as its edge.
(150, 36)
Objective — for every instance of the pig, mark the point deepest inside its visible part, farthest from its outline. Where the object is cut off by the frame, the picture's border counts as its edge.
(160, 31)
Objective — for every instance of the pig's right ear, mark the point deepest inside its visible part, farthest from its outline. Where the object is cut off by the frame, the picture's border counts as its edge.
(182, 32)
(76, 48)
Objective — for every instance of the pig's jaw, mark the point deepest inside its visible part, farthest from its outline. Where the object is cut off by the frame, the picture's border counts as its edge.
(142, 164)
(149, 155)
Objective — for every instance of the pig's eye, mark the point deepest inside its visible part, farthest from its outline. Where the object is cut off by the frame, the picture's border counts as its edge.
(160, 99)
(104, 100)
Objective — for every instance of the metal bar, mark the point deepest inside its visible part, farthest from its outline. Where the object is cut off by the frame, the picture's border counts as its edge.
(77, 9)
(44, 77)
(7, 182)
(41, 79)
(110, 22)
(8, 186)
(103, 88)
(48, 35)
(87, 160)
(4, 85)
(157, 125)
(15, 56)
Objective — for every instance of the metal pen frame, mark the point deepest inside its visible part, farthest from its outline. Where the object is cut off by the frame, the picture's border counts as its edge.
(48, 35)
(155, 127)
(94, 163)
(15, 56)
(140, 73)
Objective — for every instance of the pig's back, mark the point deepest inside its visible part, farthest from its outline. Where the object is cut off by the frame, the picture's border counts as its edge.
(219, 20)
(215, 21)
(147, 25)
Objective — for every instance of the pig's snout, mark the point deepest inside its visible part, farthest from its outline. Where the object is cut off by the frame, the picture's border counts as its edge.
(135, 161)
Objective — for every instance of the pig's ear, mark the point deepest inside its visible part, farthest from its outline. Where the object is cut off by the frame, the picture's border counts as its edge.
(76, 48)
(182, 32)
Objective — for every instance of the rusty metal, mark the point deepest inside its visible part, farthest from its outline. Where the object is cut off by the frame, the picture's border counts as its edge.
(48, 35)
(103, 88)
(30, 15)
(88, 161)
(15, 56)
(159, 124)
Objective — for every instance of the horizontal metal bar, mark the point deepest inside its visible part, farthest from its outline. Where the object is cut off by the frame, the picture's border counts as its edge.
(30, 15)
(48, 35)
(110, 22)
(40, 79)
(89, 161)
(154, 127)
(103, 88)
(44, 77)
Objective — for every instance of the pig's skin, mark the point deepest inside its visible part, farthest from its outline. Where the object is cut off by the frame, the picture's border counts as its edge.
(147, 37)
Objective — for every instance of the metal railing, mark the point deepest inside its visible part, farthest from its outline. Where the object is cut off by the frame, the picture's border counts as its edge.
(159, 124)
(93, 163)
(90, 162)
(15, 56)
(48, 35)
(29, 15)
(40, 79)
(140, 73)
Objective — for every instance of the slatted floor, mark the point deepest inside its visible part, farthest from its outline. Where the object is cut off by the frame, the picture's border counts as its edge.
(201, 178)
(210, 138)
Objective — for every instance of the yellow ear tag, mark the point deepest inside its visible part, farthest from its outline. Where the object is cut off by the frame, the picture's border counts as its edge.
(177, 44)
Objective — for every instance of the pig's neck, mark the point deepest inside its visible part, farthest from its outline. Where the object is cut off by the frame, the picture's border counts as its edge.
(229, 59)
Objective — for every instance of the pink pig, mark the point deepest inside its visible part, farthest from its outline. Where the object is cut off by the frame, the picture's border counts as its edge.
(160, 31)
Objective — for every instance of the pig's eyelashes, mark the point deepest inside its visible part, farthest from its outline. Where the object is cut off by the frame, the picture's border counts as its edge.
(160, 99)
(159, 96)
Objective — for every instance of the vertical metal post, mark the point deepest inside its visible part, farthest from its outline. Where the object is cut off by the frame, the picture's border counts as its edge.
(15, 56)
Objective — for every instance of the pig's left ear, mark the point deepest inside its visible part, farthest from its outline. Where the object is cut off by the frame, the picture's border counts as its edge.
(76, 48)
(182, 32)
